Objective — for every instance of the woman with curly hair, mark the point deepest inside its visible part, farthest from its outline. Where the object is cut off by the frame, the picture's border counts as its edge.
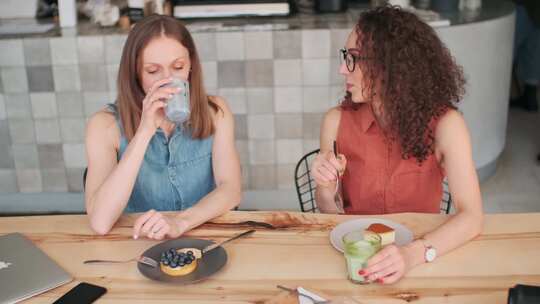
(399, 134)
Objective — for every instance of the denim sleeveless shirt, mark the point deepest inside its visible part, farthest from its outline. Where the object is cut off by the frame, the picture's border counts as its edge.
(175, 173)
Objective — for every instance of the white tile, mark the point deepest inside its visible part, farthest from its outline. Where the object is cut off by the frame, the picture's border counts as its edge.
(230, 46)
(210, 74)
(3, 113)
(315, 43)
(12, 53)
(288, 99)
(288, 72)
(259, 45)
(74, 155)
(14, 79)
(316, 72)
(236, 99)
(261, 126)
(29, 180)
(315, 99)
(112, 76)
(260, 100)
(262, 152)
(47, 131)
(64, 51)
(289, 151)
(206, 45)
(66, 78)
(95, 101)
(114, 44)
(43, 105)
(91, 49)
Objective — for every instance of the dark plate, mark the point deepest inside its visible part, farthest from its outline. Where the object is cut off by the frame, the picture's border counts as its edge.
(209, 264)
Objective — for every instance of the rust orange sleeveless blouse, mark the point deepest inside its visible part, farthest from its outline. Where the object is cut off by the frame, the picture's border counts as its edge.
(377, 180)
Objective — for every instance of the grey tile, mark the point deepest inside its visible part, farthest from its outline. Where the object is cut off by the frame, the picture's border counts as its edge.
(242, 147)
(29, 180)
(259, 73)
(315, 43)
(312, 125)
(21, 131)
(285, 176)
(261, 126)
(12, 53)
(25, 156)
(18, 106)
(14, 80)
(69, 104)
(240, 126)
(260, 100)
(54, 180)
(74, 155)
(64, 51)
(91, 49)
(316, 72)
(288, 72)
(43, 105)
(338, 39)
(47, 131)
(75, 179)
(51, 156)
(114, 45)
(66, 78)
(259, 45)
(289, 125)
(210, 74)
(3, 112)
(262, 177)
(8, 181)
(40, 78)
(6, 155)
(262, 152)
(287, 44)
(37, 52)
(230, 46)
(315, 99)
(72, 129)
(112, 75)
(289, 151)
(93, 77)
(95, 101)
(231, 74)
(206, 46)
(236, 99)
(288, 99)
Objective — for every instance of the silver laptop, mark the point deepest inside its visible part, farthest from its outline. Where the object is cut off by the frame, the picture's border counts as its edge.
(25, 270)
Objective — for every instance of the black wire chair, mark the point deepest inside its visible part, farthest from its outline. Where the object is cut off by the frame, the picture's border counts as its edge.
(305, 186)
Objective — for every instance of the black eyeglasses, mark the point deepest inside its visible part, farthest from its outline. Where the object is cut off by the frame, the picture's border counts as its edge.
(350, 59)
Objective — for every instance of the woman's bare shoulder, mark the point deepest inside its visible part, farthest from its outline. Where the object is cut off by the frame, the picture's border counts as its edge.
(102, 126)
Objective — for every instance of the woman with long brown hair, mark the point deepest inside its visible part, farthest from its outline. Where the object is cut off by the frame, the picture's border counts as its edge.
(140, 161)
(399, 134)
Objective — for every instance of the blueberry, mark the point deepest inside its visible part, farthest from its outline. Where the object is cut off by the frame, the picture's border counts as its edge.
(181, 264)
(190, 252)
(189, 261)
(174, 265)
(182, 254)
(166, 262)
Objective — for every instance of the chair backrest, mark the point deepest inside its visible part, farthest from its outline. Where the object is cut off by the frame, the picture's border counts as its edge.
(305, 186)
(84, 178)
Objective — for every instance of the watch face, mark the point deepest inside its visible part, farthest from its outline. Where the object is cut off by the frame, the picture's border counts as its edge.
(431, 254)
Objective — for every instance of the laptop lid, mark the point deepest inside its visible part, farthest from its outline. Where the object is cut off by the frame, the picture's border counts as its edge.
(25, 270)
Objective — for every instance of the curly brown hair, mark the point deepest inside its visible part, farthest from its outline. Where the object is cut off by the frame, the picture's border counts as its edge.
(412, 72)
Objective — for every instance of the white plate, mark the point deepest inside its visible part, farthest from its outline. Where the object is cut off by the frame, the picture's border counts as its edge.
(403, 235)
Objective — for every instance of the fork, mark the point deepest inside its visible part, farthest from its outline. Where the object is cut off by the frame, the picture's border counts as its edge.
(337, 195)
(303, 295)
(141, 259)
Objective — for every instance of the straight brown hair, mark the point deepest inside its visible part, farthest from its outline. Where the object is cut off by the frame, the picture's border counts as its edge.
(130, 92)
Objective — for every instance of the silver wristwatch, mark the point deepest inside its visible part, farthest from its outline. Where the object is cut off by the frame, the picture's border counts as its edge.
(430, 253)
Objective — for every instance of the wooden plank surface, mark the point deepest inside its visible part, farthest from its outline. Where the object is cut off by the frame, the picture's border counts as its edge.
(291, 249)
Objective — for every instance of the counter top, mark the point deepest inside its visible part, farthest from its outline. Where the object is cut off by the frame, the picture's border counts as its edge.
(491, 9)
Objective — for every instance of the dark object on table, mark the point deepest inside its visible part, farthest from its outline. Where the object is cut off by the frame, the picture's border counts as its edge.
(524, 294)
(527, 100)
(83, 293)
(330, 6)
(445, 6)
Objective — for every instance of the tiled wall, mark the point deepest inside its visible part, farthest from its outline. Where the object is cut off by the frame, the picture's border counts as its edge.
(278, 84)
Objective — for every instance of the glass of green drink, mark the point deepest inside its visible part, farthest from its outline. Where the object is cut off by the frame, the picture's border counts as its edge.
(359, 246)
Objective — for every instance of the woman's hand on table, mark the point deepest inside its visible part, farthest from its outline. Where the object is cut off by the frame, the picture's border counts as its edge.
(388, 265)
(156, 225)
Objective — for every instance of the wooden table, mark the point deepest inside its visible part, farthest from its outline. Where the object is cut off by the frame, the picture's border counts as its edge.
(296, 252)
